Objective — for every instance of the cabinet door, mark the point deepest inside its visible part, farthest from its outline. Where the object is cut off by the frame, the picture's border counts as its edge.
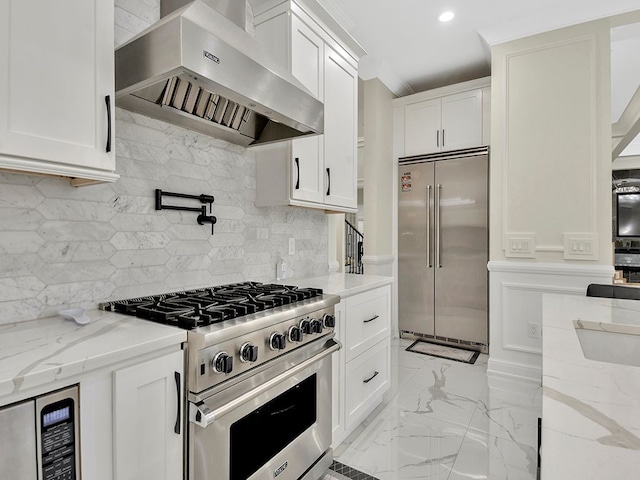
(422, 128)
(462, 120)
(147, 415)
(307, 65)
(369, 315)
(367, 378)
(340, 129)
(57, 63)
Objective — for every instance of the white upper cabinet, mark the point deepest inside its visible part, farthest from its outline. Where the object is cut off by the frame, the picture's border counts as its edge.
(320, 171)
(422, 127)
(340, 127)
(307, 65)
(462, 120)
(434, 121)
(57, 90)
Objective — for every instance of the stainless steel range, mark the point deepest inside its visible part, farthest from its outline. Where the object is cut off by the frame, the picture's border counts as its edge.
(258, 377)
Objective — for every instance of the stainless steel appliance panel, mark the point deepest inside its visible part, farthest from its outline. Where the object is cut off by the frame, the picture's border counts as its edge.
(58, 427)
(443, 246)
(18, 442)
(462, 248)
(210, 453)
(416, 224)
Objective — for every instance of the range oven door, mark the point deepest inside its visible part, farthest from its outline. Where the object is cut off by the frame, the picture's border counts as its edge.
(273, 425)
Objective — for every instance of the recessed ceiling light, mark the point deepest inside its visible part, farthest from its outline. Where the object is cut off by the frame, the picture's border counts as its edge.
(446, 16)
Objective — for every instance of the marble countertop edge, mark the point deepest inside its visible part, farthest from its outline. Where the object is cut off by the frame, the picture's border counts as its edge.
(47, 350)
(343, 284)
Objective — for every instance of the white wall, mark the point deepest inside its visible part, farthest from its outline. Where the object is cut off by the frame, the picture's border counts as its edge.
(378, 173)
(550, 181)
(62, 246)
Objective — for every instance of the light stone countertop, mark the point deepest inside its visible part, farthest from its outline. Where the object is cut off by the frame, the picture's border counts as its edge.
(40, 352)
(590, 409)
(343, 284)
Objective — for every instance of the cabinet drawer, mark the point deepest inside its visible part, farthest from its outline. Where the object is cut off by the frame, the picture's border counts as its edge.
(367, 379)
(367, 320)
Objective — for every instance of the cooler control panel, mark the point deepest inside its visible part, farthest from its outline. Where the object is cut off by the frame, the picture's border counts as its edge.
(57, 416)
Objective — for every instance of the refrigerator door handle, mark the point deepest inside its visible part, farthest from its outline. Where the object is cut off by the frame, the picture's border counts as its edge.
(438, 233)
(429, 262)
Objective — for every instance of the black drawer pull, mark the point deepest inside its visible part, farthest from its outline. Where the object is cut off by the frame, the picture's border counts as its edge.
(371, 319)
(297, 160)
(371, 377)
(107, 100)
(176, 427)
(328, 181)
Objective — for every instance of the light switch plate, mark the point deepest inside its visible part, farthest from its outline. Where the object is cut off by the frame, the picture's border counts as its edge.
(580, 246)
(520, 245)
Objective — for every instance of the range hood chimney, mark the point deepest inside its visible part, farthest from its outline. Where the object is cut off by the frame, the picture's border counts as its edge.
(198, 68)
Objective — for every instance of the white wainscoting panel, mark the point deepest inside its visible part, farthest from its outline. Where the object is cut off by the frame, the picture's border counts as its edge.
(515, 301)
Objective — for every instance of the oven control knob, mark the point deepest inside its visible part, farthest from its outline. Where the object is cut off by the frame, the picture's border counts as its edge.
(316, 326)
(277, 341)
(305, 326)
(248, 352)
(222, 363)
(329, 320)
(295, 334)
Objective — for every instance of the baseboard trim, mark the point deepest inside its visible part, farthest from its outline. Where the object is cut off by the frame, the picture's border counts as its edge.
(514, 371)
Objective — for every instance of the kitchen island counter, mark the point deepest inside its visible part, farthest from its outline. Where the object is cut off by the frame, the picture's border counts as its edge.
(590, 409)
(44, 354)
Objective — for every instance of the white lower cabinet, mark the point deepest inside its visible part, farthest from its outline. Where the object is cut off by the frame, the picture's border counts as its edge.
(363, 368)
(147, 424)
(367, 379)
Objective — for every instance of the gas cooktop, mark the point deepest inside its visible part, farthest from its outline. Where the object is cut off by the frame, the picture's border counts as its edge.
(191, 309)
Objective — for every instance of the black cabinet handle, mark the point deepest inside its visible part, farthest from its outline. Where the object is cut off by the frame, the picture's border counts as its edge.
(371, 319)
(329, 183)
(297, 160)
(437, 138)
(538, 470)
(107, 100)
(443, 137)
(371, 377)
(176, 428)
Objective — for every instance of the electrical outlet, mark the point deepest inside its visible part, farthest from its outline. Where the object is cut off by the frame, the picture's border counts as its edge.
(533, 330)
(292, 246)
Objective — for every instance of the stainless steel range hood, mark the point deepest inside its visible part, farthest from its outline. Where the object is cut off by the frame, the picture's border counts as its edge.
(199, 69)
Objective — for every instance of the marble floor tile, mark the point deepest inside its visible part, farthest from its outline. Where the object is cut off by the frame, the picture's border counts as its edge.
(445, 390)
(483, 456)
(509, 411)
(447, 420)
(403, 445)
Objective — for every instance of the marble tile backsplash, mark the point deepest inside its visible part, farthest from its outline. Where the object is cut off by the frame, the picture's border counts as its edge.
(62, 246)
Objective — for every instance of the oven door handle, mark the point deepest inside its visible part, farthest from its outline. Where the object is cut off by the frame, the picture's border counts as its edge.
(202, 415)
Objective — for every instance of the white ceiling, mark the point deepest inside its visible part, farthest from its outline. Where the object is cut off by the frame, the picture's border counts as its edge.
(411, 51)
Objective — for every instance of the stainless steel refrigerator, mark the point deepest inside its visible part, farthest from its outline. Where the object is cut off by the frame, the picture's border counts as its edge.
(443, 246)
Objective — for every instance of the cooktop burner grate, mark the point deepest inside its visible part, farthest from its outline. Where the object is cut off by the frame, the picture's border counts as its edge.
(196, 308)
